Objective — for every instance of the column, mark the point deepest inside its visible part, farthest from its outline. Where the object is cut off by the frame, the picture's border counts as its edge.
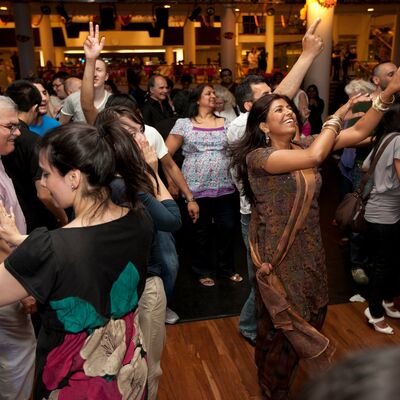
(319, 72)
(24, 36)
(238, 70)
(169, 55)
(364, 23)
(46, 40)
(189, 42)
(396, 40)
(228, 39)
(269, 41)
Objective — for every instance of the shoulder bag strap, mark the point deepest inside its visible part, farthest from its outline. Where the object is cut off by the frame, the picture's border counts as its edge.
(375, 158)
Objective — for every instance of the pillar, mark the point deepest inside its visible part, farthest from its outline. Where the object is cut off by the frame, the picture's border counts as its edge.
(396, 40)
(169, 55)
(46, 40)
(228, 38)
(189, 42)
(24, 36)
(319, 72)
(269, 41)
(364, 23)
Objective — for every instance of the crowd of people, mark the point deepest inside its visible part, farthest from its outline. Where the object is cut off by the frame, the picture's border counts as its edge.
(94, 182)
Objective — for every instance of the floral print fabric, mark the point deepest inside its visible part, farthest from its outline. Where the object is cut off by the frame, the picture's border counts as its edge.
(205, 168)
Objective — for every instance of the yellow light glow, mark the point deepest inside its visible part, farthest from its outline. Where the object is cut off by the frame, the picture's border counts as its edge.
(3, 8)
(370, 9)
(237, 9)
(167, 6)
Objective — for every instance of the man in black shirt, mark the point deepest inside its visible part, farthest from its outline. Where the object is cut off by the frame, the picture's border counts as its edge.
(157, 107)
(22, 165)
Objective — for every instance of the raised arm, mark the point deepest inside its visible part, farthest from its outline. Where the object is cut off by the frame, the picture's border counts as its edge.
(362, 129)
(312, 46)
(92, 47)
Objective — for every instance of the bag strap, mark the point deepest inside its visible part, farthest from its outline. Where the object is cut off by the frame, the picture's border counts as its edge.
(379, 149)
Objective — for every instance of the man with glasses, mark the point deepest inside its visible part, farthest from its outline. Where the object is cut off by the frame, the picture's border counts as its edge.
(17, 338)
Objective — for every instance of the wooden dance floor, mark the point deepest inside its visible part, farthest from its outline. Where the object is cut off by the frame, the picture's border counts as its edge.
(209, 359)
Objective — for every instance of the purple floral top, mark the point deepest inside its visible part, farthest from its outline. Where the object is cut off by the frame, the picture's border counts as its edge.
(205, 167)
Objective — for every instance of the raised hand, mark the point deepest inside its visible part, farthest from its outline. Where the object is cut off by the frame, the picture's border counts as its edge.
(150, 156)
(92, 45)
(312, 43)
(342, 111)
(8, 229)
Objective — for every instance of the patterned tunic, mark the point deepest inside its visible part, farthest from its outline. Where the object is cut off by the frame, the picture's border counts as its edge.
(303, 271)
(205, 167)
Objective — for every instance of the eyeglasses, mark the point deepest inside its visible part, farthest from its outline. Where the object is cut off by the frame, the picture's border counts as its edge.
(11, 127)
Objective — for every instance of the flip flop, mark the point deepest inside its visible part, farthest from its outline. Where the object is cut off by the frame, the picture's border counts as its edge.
(236, 278)
(207, 281)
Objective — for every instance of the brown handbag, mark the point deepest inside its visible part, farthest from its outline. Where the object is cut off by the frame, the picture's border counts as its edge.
(349, 214)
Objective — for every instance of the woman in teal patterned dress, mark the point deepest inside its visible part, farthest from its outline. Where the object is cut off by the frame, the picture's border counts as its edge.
(267, 162)
(88, 276)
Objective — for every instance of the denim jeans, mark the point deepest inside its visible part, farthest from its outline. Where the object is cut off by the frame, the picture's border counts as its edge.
(247, 319)
(169, 262)
(384, 278)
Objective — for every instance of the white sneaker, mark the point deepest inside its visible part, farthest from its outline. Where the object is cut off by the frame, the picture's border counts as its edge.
(171, 317)
(359, 276)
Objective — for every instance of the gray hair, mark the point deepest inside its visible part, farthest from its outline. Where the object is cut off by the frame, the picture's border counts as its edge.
(359, 86)
(7, 103)
(223, 93)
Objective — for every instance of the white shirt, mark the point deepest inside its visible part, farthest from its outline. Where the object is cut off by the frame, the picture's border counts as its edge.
(235, 132)
(72, 106)
(156, 141)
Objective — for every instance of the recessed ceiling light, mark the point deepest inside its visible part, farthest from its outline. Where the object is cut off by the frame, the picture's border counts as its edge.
(3, 8)
(370, 9)
(237, 9)
(167, 6)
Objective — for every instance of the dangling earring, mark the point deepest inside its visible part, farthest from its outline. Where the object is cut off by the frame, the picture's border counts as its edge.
(267, 139)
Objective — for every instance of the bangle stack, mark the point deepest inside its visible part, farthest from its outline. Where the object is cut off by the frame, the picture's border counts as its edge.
(333, 123)
(382, 106)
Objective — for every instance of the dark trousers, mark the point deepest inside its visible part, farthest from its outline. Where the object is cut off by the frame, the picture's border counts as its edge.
(221, 214)
(384, 281)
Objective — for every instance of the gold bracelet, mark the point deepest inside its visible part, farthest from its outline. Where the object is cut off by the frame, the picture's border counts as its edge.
(386, 103)
(378, 105)
(331, 129)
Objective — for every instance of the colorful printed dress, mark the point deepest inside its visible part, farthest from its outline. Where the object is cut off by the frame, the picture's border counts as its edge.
(87, 282)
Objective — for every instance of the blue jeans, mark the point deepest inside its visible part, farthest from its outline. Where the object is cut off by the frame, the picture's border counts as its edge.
(247, 320)
(169, 262)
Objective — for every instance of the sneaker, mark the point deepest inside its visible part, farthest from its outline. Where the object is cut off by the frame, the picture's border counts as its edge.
(171, 317)
(359, 276)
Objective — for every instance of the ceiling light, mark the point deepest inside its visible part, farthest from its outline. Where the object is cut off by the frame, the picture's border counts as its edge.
(3, 8)
(270, 11)
(370, 9)
(237, 9)
(167, 6)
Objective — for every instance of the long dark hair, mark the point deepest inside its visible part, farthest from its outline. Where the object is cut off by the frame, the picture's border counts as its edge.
(252, 139)
(100, 154)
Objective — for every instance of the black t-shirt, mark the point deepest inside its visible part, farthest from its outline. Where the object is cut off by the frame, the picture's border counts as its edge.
(82, 278)
(22, 166)
(153, 112)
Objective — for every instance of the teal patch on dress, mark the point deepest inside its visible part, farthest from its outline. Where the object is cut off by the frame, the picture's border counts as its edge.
(76, 314)
(123, 296)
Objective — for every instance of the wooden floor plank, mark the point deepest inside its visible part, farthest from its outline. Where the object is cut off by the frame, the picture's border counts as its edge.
(210, 360)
